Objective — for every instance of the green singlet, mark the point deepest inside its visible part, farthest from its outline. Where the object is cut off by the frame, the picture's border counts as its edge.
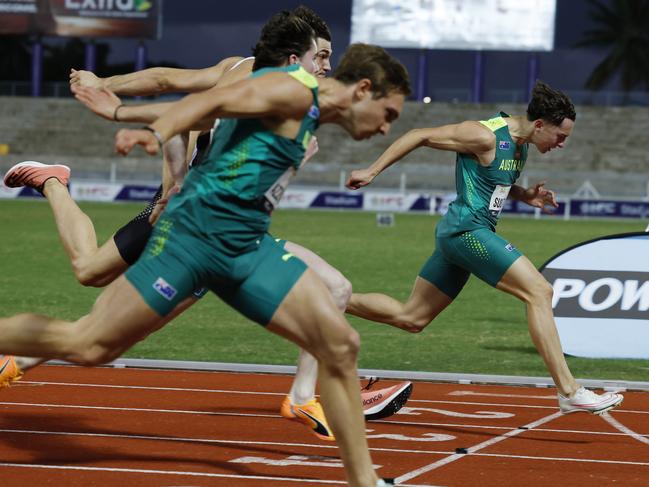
(213, 233)
(466, 242)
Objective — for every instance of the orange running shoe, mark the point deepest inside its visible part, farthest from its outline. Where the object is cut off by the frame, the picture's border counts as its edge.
(310, 414)
(9, 371)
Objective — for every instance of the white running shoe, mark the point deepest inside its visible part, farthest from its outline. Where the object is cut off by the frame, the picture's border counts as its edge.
(589, 402)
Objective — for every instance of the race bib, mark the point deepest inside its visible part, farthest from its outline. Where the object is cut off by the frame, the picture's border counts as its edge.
(498, 198)
(274, 194)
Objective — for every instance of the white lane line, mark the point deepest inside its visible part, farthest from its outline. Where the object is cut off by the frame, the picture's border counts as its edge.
(24, 383)
(207, 441)
(493, 394)
(565, 459)
(186, 473)
(210, 441)
(169, 472)
(144, 410)
(495, 404)
(620, 427)
(494, 427)
(259, 415)
(473, 449)
(226, 391)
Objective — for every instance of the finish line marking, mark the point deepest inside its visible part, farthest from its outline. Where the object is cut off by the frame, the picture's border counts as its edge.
(627, 431)
(476, 448)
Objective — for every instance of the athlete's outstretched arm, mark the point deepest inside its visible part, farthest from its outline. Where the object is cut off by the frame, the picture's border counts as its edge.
(155, 81)
(538, 196)
(273, 95)
(465, 137)
(106, 104)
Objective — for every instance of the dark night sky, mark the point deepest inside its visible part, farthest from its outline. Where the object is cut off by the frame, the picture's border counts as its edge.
(198, 33)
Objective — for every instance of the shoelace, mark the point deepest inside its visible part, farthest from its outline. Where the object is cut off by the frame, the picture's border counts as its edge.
(370, 382)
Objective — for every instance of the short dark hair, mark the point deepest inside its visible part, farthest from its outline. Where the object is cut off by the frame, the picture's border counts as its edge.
(314, 20)
(550, 105)
(374, 63)
(284, 34)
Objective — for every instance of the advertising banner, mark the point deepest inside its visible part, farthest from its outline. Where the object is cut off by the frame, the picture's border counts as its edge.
(8, 193)
(82, 18)
(506, 25)
(131, 192)
(95, 191)
(398, 202)
(298, 198)
(336, 199)
(609, 208)
(601, 296)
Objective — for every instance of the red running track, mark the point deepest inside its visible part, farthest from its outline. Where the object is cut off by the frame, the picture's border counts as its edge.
(79, 427)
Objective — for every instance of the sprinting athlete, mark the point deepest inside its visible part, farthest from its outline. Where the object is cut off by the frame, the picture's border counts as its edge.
(125, 247)
(224, 245)
(490, 157)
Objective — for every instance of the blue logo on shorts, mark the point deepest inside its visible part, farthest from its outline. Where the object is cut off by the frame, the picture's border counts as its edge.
(314, 112)
(165, 289)
(504, 145)
(510, 247)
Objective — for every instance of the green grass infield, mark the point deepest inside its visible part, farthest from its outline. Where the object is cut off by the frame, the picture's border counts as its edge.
(484, 331)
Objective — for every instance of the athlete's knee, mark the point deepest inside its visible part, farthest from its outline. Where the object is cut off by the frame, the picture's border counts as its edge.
(539, 291)
(87, 279)
(82, 344)
(339, 354)
(342, 292)
(93, 353)
(87, 274)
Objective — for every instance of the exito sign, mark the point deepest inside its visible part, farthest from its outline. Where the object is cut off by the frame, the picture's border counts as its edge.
(85, 18)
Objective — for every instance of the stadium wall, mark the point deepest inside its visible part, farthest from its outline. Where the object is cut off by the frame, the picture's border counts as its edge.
(604, 147)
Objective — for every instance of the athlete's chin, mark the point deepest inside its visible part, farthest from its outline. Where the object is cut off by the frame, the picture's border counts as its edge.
(362, 135)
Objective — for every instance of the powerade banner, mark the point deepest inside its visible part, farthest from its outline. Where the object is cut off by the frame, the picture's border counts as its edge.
(82, 18)
(601, 296)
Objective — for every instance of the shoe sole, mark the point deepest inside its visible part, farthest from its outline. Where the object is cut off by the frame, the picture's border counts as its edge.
(317, 428)
(394, 404)
(599, 411)
(8, 176)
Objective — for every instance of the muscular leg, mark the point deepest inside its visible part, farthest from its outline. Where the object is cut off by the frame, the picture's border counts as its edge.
(322, 330)
(118, 320)
(92, 265)
(426, 301)
(27, 363)
(304, 383)
(527, 284)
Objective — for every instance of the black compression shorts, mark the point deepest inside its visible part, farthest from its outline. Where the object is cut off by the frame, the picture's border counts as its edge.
(133, 237)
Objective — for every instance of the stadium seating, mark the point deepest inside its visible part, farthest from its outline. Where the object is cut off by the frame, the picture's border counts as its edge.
(605, 148)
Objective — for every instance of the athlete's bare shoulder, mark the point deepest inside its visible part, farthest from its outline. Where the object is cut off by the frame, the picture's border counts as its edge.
(237, 70)
(228, 63)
